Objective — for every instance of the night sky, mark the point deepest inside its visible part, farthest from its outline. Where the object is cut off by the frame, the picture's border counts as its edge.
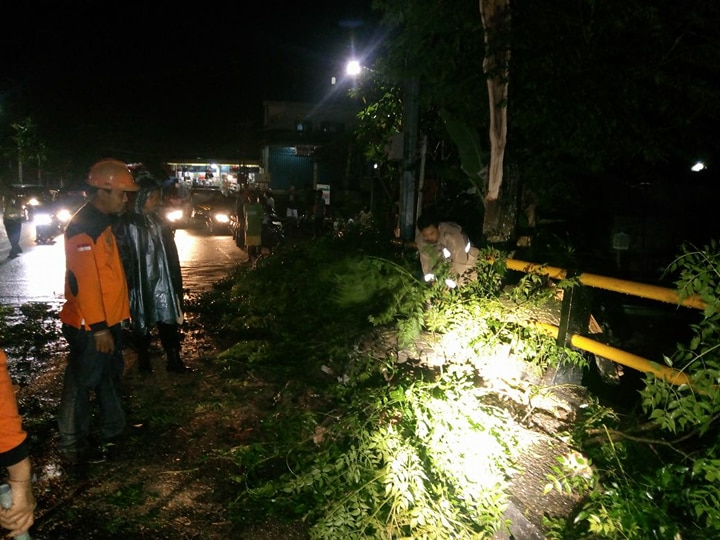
(168, 76)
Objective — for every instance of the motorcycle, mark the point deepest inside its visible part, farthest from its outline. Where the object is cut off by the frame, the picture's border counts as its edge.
(50, 223)
(272, 234)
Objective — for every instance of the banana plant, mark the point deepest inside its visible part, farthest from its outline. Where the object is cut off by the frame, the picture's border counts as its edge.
(472, 158)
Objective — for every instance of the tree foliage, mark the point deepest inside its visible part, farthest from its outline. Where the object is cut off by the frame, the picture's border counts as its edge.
(603, 86)
(596, 88)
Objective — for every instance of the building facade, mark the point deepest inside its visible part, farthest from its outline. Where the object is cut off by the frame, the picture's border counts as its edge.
(306, 144)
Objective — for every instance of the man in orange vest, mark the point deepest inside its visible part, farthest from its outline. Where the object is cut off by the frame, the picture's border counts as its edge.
(96, 303)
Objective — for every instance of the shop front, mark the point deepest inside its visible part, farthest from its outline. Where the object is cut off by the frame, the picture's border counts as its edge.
(226, 177)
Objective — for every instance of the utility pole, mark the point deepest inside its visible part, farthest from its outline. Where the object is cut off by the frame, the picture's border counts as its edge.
(408, 186)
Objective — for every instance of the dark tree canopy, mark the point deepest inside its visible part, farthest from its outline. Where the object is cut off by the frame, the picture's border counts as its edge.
(600, 88)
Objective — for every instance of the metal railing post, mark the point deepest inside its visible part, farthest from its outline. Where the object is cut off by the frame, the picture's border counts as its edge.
(574, 314)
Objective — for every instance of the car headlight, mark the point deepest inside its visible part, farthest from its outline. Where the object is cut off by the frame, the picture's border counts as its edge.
(174, 215)
(222, 218)
(42, 219)
(33, 201)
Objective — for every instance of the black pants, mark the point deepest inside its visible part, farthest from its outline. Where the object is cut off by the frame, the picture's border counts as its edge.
(169, 337)
(318, 225)
(13, 228)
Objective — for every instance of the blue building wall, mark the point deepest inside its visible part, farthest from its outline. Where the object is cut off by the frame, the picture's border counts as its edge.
(286, 167)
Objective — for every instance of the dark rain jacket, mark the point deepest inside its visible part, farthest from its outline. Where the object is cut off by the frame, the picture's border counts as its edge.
(151, 262)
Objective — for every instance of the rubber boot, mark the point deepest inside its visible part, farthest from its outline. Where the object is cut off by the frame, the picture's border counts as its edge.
(143, 354)
(175, 363)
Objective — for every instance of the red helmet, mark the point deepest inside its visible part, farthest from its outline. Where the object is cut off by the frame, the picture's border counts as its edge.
(112, 174)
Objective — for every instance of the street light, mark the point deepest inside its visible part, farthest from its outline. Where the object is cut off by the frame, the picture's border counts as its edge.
(353, 68)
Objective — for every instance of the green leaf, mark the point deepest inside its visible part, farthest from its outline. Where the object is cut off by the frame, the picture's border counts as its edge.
(468, 142)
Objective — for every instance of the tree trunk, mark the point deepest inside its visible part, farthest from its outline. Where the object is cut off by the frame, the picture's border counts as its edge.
(501, 213)
(496, 21)
(499, 220)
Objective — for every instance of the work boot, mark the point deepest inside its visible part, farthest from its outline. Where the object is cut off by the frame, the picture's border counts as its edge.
(175, 363)
(141, 344)
(144, 365)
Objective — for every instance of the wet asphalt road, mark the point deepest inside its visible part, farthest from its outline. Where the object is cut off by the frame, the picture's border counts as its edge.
(37, 274)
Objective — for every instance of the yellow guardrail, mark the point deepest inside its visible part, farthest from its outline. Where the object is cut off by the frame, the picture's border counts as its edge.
(652, 292)
(671, 375)
(642, 290)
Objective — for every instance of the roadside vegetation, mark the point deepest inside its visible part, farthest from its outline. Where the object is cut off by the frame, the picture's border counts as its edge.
(360, 439)
(361, 445)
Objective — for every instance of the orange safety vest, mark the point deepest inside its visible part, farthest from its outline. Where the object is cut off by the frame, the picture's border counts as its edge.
(12, 434)
(96, 293)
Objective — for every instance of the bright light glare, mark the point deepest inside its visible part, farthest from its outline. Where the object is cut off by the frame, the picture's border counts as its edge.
(186, 245)
(222, 218)
(353, 68)
(43, 272)
(42, 219)
(699, 166)
(174, 215)
(64, 215)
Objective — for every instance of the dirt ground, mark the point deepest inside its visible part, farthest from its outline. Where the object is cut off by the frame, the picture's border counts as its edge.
(172, 476)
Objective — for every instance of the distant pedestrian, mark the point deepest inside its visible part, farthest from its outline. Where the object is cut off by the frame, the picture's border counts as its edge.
(365, 218)
(152, 267)
(12, 220)
(96, 304)
(269, 201)
(238, 222)
(254, 214)
(319, 213)
(292, 205)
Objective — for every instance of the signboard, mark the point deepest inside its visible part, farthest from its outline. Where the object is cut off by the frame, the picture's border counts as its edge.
(621, 241)
(304, 150)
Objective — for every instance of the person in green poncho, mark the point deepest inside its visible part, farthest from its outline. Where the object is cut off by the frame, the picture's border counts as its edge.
(254, 213)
